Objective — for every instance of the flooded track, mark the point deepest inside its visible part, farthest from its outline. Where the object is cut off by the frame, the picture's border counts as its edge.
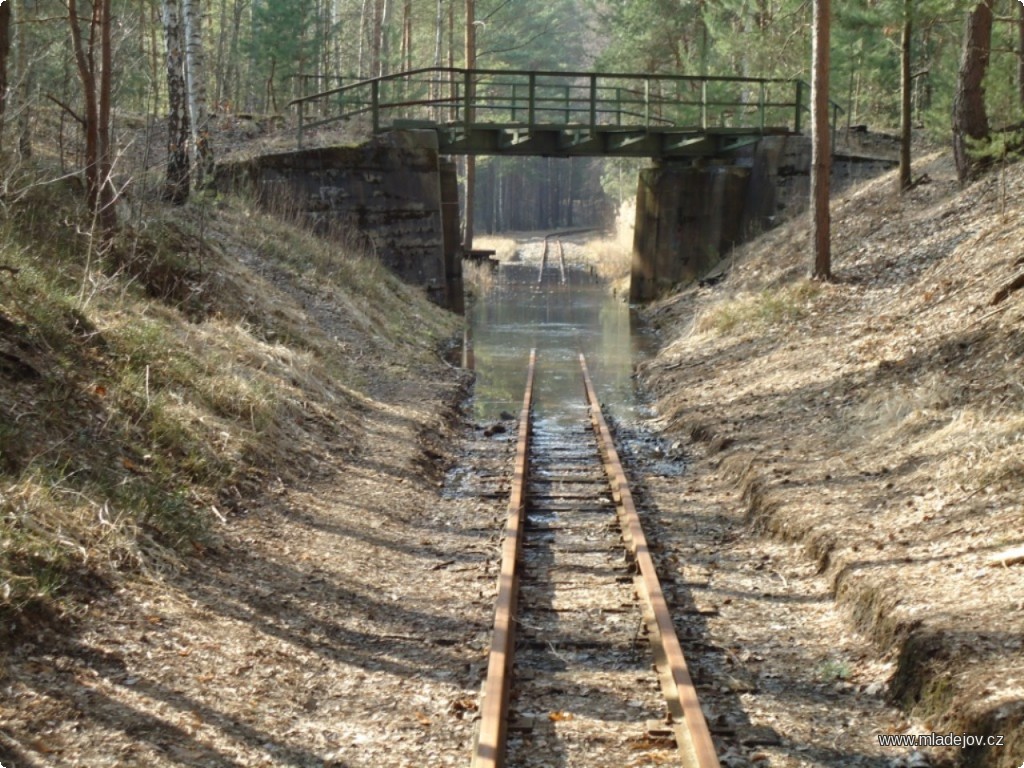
(559, 319)
(591, 683)
(582, 633)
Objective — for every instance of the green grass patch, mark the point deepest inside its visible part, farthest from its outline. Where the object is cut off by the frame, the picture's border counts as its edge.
(770, 308)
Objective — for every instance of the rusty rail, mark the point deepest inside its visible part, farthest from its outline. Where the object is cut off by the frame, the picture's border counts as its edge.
(693, 738)
(692, 734)
(545, 258)
(489, 750)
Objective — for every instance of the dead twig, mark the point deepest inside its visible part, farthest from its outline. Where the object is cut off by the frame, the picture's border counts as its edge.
(1008, 557)
(1003, 293)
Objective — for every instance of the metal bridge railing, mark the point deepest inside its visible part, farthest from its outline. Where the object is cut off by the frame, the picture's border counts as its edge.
(591, 100)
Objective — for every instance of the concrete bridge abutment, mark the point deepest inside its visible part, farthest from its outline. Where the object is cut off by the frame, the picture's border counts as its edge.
(393, 196)
(689, 215)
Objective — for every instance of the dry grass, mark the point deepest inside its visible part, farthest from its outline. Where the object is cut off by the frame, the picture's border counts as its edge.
(153, 386)
(880, 419)
(479, 279)
(504, 247)
(613, 256)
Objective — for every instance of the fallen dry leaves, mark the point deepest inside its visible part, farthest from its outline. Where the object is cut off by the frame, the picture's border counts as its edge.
(881, 431)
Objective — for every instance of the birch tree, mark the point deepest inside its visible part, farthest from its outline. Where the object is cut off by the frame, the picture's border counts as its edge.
(178, 176)
(196, 86)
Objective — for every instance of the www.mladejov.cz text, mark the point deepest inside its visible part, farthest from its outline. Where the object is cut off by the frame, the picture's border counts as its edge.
(939, 740)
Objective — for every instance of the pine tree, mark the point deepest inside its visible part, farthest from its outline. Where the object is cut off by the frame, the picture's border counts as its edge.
(970, 119)
(821, 152)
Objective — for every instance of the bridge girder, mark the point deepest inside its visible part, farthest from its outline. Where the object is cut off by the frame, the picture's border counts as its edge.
(582, 141)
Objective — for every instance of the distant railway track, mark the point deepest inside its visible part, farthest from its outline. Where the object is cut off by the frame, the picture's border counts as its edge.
(581, 617)
(545, 257)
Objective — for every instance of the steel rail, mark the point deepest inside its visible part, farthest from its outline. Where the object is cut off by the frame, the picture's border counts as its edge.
(693, 738)
(543, 261)
(489, 750)
(692, 734)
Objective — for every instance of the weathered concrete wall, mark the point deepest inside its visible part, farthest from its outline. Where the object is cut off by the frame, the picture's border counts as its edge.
(686, 218)
(689, 216)
(779, 187)
(385, 195)
(780, 166)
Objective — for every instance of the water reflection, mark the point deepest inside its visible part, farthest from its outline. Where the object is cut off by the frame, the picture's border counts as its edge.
(560, 321)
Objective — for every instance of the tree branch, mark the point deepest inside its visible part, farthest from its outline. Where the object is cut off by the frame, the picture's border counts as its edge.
(500, 6)
(66, 108)
(542, 33)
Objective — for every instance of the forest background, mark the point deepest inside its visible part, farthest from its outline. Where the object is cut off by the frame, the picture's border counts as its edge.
(86, 86)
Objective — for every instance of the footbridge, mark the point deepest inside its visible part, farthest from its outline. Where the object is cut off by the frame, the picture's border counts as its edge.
(566, 114)
(727, 152)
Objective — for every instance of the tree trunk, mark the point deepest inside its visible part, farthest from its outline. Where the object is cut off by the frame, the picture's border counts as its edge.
(821, 152)
(439, 33)
(196, 84)
(905, 92)
(220, 64)
(86, 74)
(178, 175)
(105, 160)
(335, 70)
(362, 39)
(451, 58)
(970, 121)
(5, 49)
(24, 100)
(470, 160)
(435, 81)
(378, 34)
(96, 90)
(1020, 53)
(385, 40)
(232, 71)
(407, 35)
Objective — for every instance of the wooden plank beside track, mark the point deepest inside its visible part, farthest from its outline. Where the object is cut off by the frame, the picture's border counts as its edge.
(489, 750)
(696, 747)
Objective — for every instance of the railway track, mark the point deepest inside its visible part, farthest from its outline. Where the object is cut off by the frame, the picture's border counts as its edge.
(547, 255)
(585, 668)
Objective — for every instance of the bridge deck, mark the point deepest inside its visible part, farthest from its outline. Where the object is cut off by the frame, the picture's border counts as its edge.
(585, 141)
(566, 114)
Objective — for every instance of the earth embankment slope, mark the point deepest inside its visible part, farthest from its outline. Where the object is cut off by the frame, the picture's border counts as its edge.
(879, 421)
(222, 543)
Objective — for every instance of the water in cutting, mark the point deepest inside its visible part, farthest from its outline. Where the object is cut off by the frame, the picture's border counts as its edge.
(530, 306)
